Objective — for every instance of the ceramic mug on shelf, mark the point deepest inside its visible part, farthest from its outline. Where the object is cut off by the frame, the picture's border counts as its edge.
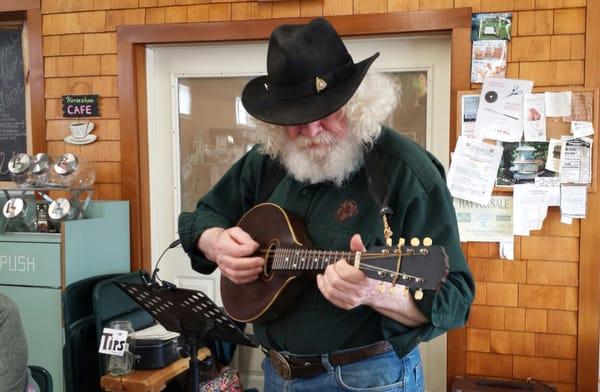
(81, 129)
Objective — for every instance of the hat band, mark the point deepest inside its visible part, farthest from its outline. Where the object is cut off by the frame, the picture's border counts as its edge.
(310, 87)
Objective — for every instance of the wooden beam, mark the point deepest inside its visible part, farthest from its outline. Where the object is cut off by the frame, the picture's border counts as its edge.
(588, 324)
(130, 145)
(460, 80)
(19, 5)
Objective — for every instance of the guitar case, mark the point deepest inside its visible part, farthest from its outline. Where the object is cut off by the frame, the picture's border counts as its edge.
(155, 353)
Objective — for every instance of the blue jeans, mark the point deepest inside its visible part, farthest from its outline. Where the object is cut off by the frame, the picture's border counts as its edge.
(381, 373)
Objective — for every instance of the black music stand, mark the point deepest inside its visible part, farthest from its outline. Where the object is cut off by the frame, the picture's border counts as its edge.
(191, 313)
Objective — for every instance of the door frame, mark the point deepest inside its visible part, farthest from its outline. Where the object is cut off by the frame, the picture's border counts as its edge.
(131, 42)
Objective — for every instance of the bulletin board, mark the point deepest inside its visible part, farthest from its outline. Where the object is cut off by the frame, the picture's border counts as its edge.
(584, 104)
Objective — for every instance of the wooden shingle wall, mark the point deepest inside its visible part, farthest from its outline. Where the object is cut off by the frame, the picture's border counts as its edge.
(524, 320)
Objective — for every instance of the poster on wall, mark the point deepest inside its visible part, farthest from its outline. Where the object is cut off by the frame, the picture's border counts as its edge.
(488, 60)
(485, 223)
(491, 26)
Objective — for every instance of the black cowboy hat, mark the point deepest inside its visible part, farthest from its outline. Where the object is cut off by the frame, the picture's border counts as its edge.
(310, 75)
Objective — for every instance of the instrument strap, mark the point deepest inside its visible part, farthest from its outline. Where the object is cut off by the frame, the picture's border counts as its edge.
(379, 188)
(271, 175)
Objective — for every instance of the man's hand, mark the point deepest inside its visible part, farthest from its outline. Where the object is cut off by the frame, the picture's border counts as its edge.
(231, 249)
(348, 287)
(344, 285)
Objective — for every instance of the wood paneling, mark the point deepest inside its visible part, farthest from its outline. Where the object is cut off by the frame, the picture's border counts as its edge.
(549, 369)
(536, 320)
(548, 297)
(73, 23)
(407, 5)
(489, 365)
(562, 322)
(536, 23)
(569, 21)
(339, 7)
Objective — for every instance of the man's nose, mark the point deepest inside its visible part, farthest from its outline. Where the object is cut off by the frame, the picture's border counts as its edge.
(311, 129)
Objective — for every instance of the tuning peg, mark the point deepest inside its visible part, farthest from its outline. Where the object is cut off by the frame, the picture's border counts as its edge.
(405, 291)
(414, 241)
(419, 294)
(392, 289)
(380, 287)
(427, 241)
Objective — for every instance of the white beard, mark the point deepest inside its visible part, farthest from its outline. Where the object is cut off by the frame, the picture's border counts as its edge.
(333, 160)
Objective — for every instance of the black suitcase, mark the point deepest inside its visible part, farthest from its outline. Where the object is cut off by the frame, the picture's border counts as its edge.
(155, 353)
(470, 384)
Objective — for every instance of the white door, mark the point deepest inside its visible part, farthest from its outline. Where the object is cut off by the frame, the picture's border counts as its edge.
(196, 129)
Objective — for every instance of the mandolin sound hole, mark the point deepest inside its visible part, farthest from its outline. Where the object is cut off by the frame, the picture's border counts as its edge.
(269, 255)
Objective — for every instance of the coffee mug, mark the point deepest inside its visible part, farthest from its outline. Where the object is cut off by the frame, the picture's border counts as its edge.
(80, 130)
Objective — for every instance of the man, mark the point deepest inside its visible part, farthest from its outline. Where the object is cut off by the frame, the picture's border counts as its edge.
(343, 333)
(14, 374)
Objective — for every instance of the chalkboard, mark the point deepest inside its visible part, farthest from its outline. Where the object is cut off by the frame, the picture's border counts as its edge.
(12, 99)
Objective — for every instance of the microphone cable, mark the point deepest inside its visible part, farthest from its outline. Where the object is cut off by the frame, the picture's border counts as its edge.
(155, 281)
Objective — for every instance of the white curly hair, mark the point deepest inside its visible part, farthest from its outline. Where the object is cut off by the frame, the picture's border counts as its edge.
(373, 102)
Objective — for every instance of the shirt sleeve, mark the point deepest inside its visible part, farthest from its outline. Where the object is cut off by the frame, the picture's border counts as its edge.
(222, 207)
(432, 215)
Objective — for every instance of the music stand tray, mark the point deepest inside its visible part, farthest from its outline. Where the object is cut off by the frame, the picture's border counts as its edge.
(191, 313)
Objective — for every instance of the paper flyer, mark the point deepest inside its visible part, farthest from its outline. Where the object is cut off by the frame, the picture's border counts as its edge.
(573, 201)
(534, 117)
(488, 60)
(558, 104)
(489, 223)
(529, 209)
(500, 112)
(473, 170)
(553, 159)
(576, 161)
(582, 128)
(469, 106)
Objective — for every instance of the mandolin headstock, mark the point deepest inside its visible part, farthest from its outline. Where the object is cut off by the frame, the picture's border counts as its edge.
(420, 266)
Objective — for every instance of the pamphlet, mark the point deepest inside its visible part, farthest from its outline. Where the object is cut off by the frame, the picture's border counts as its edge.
(488, 60)
(534, 117)
(500, 112)
(473, 170)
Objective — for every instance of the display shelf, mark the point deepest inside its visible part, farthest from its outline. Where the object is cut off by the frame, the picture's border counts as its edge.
(35, 268)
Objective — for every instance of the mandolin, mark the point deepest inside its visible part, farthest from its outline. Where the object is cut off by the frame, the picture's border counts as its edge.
(290, 262)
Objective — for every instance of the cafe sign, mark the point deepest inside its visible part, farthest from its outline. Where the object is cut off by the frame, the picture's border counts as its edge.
(80, 106)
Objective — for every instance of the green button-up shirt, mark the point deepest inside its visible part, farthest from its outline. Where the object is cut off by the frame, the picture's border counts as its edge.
(422, 207)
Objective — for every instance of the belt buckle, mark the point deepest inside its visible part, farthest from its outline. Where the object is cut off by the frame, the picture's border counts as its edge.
(280, 364)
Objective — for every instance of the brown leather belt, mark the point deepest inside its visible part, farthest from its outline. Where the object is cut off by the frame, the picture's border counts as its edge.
(303, 366)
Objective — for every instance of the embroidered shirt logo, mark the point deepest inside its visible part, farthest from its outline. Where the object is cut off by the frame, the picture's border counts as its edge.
(347, 209)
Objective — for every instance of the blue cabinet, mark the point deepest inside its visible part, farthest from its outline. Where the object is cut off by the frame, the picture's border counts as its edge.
(36, 267)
